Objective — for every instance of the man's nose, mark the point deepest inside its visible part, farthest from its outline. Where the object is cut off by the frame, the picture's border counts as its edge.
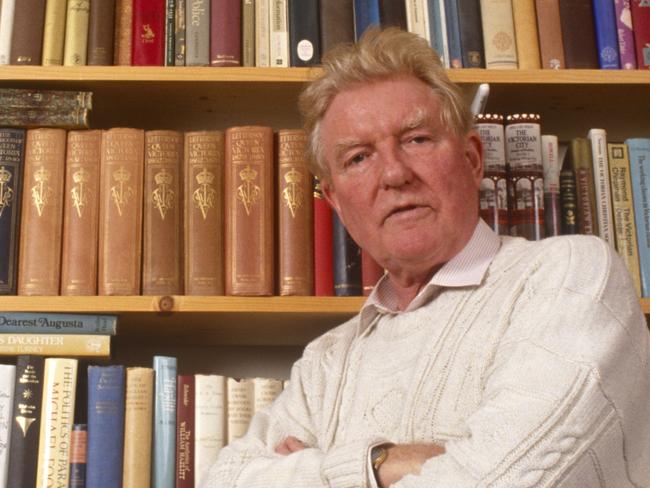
(395, 167)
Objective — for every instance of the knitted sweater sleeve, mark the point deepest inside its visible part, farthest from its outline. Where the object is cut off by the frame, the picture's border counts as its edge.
(565, 396)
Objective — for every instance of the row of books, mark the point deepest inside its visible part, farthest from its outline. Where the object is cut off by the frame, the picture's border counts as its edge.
(111, 426)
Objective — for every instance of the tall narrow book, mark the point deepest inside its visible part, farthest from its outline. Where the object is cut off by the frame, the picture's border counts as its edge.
(76, 33)
(185, 431)
(336, 23)
(248, 33)
(27, 33)
(164, 422)
(598, 139)
(180, 32)
(498, 34)
(101, 32)
(225, 33)
(197, 32)
(639, 154)
(417, 20)
(526, 35)
(366, 14)
(42, 213)
(323, 266)
(452, 22)
(209, 421)
(582, 164)
(304, 35)
(6, 28)
(78, 454)
(552, 167)
(625, 34)
(346, 259)
(568, 199)
(54, 32)
(641, 22)
(393, 14)
(148, 41)
(262, 34)
(7, 388)
(438, 29)
(123, 33)
(471, 33)
(138, 423)
(606, 34)
(578, 34)
(240, 397)
(170, 31)
(279, 33)
(551, 44)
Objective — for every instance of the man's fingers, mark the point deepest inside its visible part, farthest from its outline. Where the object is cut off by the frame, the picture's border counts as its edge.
(289, 445)
(282, 448)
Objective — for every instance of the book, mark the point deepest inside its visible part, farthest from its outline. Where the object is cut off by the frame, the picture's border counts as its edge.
(106, 386)
(393, 14)
(552, 166)
(225, 33)
(54, 32)
(170, 31)
(123, 34)
(366, 14)
(279, 33)
(265, 391)
(295, 215)
(304, 35)
(639, 156)
(452, 22)
(42, 213)
(606, 34)
(81, 213)
(582, 164)
(499, 34)
(185, 431)
(26, 418)
(120, 212)
(179, 32)
(57, 410)
(138, 427)
(371, 272)
(568, 198)
(164, 422)
(551, 43)
(7, 388)
(249, 211)
(80, 345)
(625, 34)
(598, 139)
(262, 34)
(204, 236)
(162, 253)
(38, 118)
(578, 36)
(323, 265)
(471, 33)
(346, 261)
(27, 33)
(248, 33)
(641, 22)
(438, 29)
(240, 406)
(336, 23)
(209, 422)
(57, 323)
(101, 33)
(75, 47)
(56, 101)
(417, 20)
(623, 210)
(12, 155)
(493, 192)
(197, 33)
(525, 20)
(6, 28)
(148, 34)
(78, 452)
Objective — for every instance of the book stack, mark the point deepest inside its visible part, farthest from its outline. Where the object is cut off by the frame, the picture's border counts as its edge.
(26, 108)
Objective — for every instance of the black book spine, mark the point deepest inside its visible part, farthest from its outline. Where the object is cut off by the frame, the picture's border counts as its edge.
(392, 14)
(346, 256)
(568, 201)
(578, 34)
(471, 33)
(304, 32)
(336, 23)
(23, 456)
(12, 154)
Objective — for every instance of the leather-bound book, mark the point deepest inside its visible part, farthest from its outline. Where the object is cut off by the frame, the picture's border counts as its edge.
(185, 432)
(54, 32)
(568, 199)
(138, 427)
(295, 215)
(346, 261)
(148, 41)
(551, 44)
(123, 34)
(248, 33)
(101, 31)
(249, 213)
(371, 272)
(120, 212)
(225, 33)
(471, 33)
(641, 23)
(304, 37)
(392, 14)
(499, 34)
(336, 23)
(525, 21)
(27, 33)
(42, 213)
(581, 161)
(578, 34)
(75, 49)
(163, 225)
(81, 213)
(12, 154)
(203, 243)
(323, 266)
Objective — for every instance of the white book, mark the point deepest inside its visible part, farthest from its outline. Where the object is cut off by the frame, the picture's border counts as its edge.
(240, 407)
(551, 164)
(598, 138)
(6, 29)
(279, 33)
(7, 382)
(266, 390)
(417, 18)
(209, 422)
(262, 33)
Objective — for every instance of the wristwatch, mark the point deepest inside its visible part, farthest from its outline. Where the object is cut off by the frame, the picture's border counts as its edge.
(378, 455)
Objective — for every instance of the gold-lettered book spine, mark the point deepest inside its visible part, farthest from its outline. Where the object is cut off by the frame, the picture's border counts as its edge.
(76, 33)
(82, 345)
(138, 421)
(54, 32)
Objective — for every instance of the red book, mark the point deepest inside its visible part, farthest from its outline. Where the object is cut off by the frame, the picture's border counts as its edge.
(148, 42)
(370, 272)
(323, 265)
(185, 432)
(641, 23)
(225, 33)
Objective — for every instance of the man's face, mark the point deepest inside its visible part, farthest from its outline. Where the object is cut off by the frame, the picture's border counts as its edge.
(404, 186)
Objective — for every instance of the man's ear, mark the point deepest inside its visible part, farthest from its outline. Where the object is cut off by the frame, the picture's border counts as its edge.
(330, 195)
(474, 155)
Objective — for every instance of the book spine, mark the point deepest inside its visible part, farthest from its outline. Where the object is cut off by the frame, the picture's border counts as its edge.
(366, 14)
(26, 415)
(568, 200)
(76, 33)
(498, 34)
(393, 14)
(241, 399)
(493, 194)
(248, 33)
(148, 41)
(641, 22)
(580, 152)
(7, 388)
(54, 32)
(105, 426)
(120, 212)
(50, 323)
(162, 272)
(55, 345)
(323, 266)
(598, 139)
(101, 30)
(185, 432)
(179, 33)
(225, 33)
(265, 391)
(471, 33)
(81, 213)
(203, 243)
(551, 44)
(42, 213)
(279, 33)
(59, 384)
(336, 23)
(438, 29)
(164, 422)
(12, 155)
(78, 453)
(371, 272)
(606, 34)
(249, 211)
(197, 30)
(639, 154)
(304, 33)
(138, 422)
(170, 31)
(578, 34)
(552, 168)
(262, 34)
(122, 53)
(49, 100)
(29, 119)
(209, 422)
(525, 21)
(346, 260)
(27, 34)
(453, 34)
(295, 215)
(6, 29)
(623, 207)
(416, 17)
(625, 34)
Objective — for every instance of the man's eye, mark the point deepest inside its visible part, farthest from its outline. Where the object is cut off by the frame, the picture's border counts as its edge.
(419, 139)
(356, 159)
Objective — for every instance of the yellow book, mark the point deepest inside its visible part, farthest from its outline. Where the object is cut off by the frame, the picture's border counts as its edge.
(76, 33)
(525, 19)
(54, 32)
(138, 421)
(55, 344)
(57, 417)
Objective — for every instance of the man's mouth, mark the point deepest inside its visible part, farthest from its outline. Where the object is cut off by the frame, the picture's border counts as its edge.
(406, 212)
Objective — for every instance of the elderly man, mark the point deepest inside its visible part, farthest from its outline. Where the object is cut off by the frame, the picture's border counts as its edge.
(478, 360)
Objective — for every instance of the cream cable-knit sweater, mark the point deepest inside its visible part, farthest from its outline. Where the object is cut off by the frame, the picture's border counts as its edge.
(539, 377)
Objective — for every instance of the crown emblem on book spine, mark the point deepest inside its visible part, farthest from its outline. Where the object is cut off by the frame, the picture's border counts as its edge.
(41, 192)
(248, 193)
(79, 193)
(163, 197)
(121, 192)
(292, 195)
(204, 196)
(6, 192)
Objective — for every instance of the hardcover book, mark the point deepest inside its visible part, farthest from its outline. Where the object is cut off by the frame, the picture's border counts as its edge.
(185, 432)
(56, 101)
(179, 32)
(625, 34)
(581, 161)
(101, 33)
(57, 323)
(248, 33)
(438, 29)
(80, 345)
(568, 199)
(393, 14)
(262, 34)
(641, 22)
(323, 257)
(123, 33)
(39, 118)
(78, 453)
(240, 398)
(76, 33)
(148, 35)
(499, 34)
(27, 33)
(639, 154)
(336, 23)
(7, 386)
(197, 32)
(526, 35)
(552, 167)
(7, 8)
(170, 28)
(416, 15)
(366, 13)
(304, 33)
(225, 33)
(279, 33)
(598, 139)
(265, 391)
(606, 34)
(551, 44)
(209, 422)
(452, 21)
(164, 422)
(346, 260)
(138, 426)
(471, 33)
(578, 34)
(54, 32)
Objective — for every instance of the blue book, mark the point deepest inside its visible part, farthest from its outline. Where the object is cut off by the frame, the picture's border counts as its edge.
(438, 30)
(453, 34)
(639, 153)
(163, 462)
(366, 13)
(57, 323)
(606, 34)
(105, 426)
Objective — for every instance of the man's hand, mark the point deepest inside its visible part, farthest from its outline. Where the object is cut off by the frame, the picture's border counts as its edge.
(289, 445)
(405, 459)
